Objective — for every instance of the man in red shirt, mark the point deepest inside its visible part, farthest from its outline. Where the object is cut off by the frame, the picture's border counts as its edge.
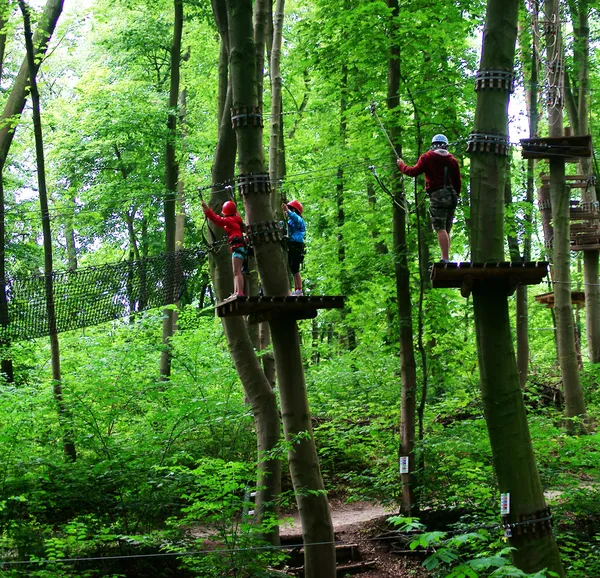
(442, 184)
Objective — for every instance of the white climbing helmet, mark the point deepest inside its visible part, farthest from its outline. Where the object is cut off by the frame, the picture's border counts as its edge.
(439, 139)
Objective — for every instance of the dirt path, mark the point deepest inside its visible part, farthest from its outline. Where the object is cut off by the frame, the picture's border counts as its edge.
(359, 523)
(342, 515)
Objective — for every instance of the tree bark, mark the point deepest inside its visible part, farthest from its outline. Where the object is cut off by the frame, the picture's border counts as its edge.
(63, 413)
(6, 366)
(12, 110)
(171, 179)
(502, 396)
(559, 197)
(304, 465)
(581, 30)
(408, 366)
(258, 389)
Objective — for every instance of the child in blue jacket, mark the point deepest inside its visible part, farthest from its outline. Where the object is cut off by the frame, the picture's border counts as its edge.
(296, 231)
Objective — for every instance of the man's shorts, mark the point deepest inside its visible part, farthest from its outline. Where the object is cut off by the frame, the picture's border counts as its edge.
(442, 204)
(239, 253)
(295, 256)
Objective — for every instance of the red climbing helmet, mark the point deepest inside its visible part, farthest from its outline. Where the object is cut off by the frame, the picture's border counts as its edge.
(296, 205)
(229, 208)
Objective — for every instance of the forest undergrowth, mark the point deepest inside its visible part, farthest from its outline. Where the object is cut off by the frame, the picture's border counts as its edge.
(158, 459)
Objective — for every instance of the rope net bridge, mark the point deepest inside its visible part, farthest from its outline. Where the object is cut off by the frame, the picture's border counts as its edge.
(93, 295)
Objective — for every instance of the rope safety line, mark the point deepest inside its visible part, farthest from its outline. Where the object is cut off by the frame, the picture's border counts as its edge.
(270, 547)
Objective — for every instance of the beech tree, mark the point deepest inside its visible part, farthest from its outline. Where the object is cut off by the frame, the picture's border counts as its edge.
(311, 497)
(512, 450)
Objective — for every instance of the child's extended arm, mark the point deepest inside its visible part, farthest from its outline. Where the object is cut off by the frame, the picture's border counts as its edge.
(212, 216)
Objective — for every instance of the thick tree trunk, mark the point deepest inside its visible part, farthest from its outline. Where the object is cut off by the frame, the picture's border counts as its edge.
(559, 197)
(171, 179)
(304, 466)
(63, 413)
(502, 397)
(257, 387)
(408, 366)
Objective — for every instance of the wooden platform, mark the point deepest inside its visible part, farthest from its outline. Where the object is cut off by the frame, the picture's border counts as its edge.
(585, 241)
(468, 275)
(568, 147)
(547, 299)
(583, 211)
(266, 308)
(573, 181)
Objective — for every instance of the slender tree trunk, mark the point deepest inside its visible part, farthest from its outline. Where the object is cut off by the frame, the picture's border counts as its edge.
(276, 136)
(559, 197)
(502, 396)
(63, 413)
(171, 179)
(12, 111)
(522, 305)
(180, 200)
(581, 30)
(408, 366)
(70, 240)
(257, 387)
(6, 366)
(304, 465)
(18, 94)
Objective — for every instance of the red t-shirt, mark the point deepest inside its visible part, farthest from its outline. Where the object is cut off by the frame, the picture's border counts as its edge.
(232, 225)
(432, 163)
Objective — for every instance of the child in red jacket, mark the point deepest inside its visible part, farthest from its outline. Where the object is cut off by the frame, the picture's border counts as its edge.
(234, 228)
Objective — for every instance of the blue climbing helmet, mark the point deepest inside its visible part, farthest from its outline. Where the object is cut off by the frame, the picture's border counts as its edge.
(439, 141)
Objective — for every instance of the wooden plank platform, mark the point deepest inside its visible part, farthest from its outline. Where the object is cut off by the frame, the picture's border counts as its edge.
(585, 242)
(266, 308)
(572, 181)
(547, 299)
(583, 211)
(467, 275)
(569, 147)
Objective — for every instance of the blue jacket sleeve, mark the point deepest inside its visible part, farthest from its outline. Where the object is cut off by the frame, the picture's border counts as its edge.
(296, 221)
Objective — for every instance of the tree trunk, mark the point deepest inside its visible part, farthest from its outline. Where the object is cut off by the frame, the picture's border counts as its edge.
(63, 413)
(180, 211)
(276, 135)
(581, 30)
(522, 304)
(70, 240)
(257, 387)
(408, 366)
(304, 466)
(171, 178)
(18, 94)
(559, 197)
(12, 110)
(502, 396)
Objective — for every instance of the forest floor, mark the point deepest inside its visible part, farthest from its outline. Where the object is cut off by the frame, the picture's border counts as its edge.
(361, 523)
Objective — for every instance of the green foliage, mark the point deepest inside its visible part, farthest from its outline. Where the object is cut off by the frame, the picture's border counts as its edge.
(462, 555)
